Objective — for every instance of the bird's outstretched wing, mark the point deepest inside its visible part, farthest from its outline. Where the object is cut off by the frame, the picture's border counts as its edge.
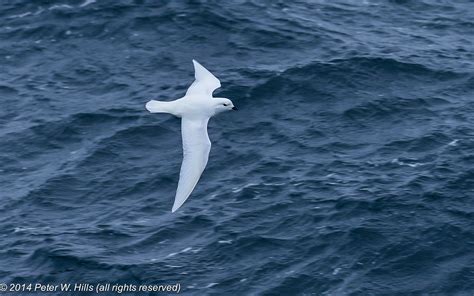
(204, 84)
(196, 147)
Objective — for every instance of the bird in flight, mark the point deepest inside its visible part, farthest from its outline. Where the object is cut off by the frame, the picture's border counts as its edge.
(194, 109)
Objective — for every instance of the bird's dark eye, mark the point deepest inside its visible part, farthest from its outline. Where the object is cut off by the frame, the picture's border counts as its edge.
(225, 105)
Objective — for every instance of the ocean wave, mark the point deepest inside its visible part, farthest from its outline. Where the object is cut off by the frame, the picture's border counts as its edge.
(347, 132)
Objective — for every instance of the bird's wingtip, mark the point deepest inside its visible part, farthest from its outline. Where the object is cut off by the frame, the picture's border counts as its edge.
(175, 208)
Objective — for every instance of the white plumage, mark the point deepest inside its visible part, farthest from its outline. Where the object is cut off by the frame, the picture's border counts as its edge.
(195, 109)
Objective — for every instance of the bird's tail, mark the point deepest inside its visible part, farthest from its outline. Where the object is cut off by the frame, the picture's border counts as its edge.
(158, 107)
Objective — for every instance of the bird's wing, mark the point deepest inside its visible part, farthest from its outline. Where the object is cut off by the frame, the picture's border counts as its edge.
(196, 147)
(204, 84)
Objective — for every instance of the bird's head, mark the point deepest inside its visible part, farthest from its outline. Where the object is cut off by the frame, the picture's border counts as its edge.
(223, 104)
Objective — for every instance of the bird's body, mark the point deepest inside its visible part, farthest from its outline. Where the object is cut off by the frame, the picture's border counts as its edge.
(194, 109)
(185, 107)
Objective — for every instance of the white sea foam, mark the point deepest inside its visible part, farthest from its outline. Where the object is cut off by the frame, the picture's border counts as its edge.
(23, 229)
(21, 15)
(238, 189)
(28, 13)
(413, 165)
(186, 250)
(60, 6)
(453, 143)
(225, 241)
(87, 2)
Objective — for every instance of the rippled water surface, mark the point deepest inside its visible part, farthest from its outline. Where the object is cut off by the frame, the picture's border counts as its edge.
(348, 170)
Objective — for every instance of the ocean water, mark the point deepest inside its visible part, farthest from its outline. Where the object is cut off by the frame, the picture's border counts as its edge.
(348, 169)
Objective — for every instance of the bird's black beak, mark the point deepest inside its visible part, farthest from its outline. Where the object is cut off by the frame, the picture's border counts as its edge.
(234, 108)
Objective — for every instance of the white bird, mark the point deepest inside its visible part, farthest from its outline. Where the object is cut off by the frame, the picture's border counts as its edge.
(195, 109)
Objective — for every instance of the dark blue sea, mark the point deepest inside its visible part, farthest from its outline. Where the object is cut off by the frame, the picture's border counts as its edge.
(348, 169)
